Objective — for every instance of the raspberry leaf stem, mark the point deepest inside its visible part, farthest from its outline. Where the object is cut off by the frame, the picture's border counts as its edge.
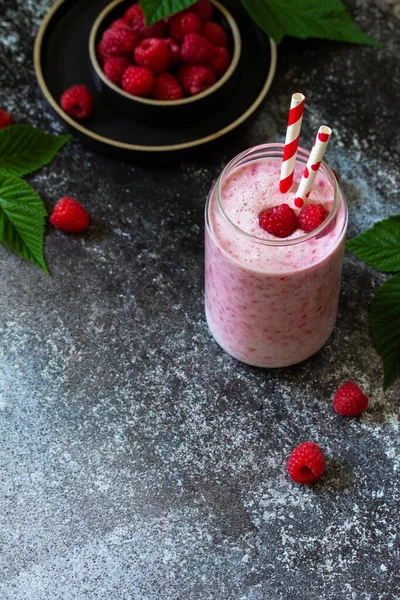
(22, 219)
(24, 149)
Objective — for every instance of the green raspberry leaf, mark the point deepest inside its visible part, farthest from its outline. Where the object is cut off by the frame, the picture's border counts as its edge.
(24, 149)
(267, 18)
(22, 219)
(379, 247)
(155, 10)
(384, 318)
(326, 19)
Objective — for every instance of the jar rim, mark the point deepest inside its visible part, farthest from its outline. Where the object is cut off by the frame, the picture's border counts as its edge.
(275, 150)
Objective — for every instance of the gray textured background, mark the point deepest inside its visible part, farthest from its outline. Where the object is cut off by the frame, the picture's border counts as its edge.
(137, 460)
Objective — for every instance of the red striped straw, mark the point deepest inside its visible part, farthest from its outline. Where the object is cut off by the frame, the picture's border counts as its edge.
(291, 142)
(313, 163)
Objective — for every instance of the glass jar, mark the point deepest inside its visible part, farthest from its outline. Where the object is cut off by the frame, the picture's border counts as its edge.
(271, 302)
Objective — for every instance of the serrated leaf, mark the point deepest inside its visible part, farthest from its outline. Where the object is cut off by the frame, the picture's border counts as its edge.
(24, 149)
(154, 10)
(22, 219)
(384, 318)
(379, 247)
(326, 19)
(264, 14)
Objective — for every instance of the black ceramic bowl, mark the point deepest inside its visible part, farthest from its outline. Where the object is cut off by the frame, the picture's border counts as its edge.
(159, 111)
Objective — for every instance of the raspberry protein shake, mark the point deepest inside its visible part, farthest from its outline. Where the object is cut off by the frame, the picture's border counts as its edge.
(271, 302)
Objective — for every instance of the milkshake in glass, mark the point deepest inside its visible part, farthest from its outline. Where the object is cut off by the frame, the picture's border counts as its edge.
(271, 302)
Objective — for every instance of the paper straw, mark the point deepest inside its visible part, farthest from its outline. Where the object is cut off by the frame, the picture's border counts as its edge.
(291, 142)
(313, 163)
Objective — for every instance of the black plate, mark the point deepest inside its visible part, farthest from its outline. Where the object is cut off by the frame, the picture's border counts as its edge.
(62, 60)
(186, 110)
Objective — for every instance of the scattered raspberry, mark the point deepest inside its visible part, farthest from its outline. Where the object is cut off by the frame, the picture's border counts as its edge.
(195, 79)
(174, 52)
(103, 52)
(336, 174)
(118, 23)
(220, 61)
(166, 87)
(138, 81)
(6, 118)
(69, 215)
(196, 49)
(120, 40)
(135, 18)
(215, 34)
(349, 400)
(115, 67)
(312, 216)
(153, 54)
(306, 464)
(279, 220)
(77, 101)
(203, 9)
(182, 24)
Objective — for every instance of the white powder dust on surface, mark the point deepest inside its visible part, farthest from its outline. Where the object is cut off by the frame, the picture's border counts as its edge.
(13, 23)
(137, 459)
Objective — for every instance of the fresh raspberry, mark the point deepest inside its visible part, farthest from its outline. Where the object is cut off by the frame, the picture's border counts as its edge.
(120, 40)
(78, 102)
(174, 52)
(215, 34)
(311, 217)
(166, 87)
(115, 67)
(6, 118)
(220, 61)
(69, 215)
(182, 24)
(138, 81)
(135, 18)
(306, 464)
(196, 50)
(336, 174)
(103, 52)
(279, 220)
(153, 54)
(195, 79)
(118, 23)
(203, 9)
(349, 400)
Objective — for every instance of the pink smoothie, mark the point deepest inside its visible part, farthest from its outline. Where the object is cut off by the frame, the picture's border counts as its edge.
(271, 302)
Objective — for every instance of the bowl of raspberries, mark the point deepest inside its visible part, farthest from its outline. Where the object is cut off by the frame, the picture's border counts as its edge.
(178, 69)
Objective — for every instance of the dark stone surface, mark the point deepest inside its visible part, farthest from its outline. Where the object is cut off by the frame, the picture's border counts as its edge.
(137, 459)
